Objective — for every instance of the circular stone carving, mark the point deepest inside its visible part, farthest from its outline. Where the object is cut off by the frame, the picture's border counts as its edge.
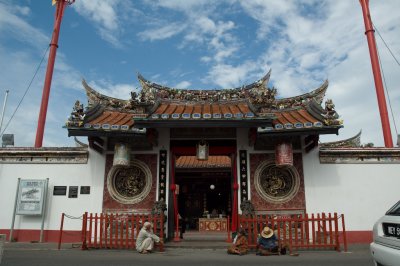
(129, 184)
(276, 184)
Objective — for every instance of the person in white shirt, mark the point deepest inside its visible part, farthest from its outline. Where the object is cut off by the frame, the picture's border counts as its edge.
(146, 238)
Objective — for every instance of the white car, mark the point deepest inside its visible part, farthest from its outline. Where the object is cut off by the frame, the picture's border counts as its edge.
(386, 246)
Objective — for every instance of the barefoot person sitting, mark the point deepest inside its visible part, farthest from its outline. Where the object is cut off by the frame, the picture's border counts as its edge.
(240, 244)
(267, 242)
(146, 238)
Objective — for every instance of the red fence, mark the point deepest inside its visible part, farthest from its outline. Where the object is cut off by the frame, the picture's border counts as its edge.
(117, 231)
(299, 231)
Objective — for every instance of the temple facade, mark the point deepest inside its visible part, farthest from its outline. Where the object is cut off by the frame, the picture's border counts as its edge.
(204, 154)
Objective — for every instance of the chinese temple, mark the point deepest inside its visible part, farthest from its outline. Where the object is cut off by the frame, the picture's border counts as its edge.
(204, 152)
(207, 156)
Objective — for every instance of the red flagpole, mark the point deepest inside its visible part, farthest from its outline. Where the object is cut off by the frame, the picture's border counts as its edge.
(49, 72)
(369, 32)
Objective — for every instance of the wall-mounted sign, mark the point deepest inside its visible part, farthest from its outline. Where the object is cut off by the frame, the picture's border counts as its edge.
(30, 196)
(60, 190)
(73, 192)
(85, 189)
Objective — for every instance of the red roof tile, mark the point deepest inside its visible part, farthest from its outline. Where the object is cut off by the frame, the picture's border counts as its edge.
(212, 162)
(113, 118)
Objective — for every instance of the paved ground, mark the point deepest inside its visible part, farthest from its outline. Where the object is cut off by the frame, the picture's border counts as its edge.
(16, 254)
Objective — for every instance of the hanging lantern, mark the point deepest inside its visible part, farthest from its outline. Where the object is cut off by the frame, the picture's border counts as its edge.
(202, 150)
(284, 154)
(121, 154)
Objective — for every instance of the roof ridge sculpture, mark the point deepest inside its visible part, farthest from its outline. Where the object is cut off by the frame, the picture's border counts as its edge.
(259, 97)
(318, 94)
(263, 81)
(95, 97)
(352, 142)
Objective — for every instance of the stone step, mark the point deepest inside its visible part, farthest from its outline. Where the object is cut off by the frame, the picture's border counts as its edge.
(201, 240)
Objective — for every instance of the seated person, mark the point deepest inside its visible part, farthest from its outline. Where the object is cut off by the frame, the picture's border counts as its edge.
(240, 244)
(267, 242)
(146, 238)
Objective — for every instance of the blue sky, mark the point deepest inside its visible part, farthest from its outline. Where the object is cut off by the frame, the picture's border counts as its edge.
(200, 44)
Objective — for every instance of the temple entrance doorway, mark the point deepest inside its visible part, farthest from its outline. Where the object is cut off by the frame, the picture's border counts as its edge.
(202, 190)
(204, 193)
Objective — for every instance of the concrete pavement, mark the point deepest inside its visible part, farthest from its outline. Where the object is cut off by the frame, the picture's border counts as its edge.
(47, 254)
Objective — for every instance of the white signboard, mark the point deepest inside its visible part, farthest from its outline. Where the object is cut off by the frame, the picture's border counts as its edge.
(30, 196)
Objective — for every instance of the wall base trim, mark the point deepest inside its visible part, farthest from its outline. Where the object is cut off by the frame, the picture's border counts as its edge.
(32, 235)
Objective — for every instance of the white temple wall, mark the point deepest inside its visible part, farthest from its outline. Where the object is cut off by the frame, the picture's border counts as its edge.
(87, 174)
(362, 192)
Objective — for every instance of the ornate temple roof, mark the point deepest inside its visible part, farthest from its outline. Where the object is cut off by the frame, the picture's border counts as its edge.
(155, 105)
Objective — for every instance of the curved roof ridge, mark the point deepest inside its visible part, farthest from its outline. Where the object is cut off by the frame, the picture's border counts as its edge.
(352, 142)
(178, 101)
(318, 94)
(97, 97)
(264, 80)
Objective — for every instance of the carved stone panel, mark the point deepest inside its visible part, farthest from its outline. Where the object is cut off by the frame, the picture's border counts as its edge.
(276, 184)
(129, 184)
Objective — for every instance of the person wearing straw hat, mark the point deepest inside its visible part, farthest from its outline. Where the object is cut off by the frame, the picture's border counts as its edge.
(146, 238)
(267, 242)
(240, 245)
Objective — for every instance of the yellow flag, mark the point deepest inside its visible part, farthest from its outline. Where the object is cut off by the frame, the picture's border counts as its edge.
(53, 2)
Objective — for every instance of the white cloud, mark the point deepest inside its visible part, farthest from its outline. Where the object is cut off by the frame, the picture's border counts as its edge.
(105, 16)
(11, 25)
(228, 76)
(161, 33)
(183, 85)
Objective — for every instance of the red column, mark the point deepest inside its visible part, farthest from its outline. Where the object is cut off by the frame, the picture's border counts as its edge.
(175, 201)
(235, 196)
(49, 73)
(369, 32)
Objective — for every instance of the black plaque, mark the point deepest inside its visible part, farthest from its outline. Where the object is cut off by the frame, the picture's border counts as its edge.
(60, 190)
(73, 192)
(85, 189)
